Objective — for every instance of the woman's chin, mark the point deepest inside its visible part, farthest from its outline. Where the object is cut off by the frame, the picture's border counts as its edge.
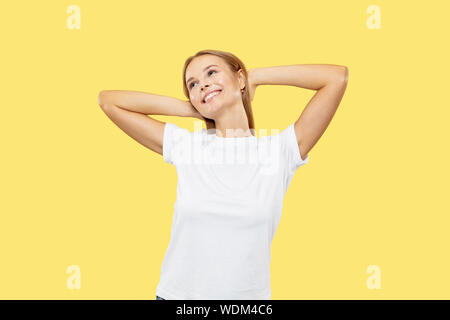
(210, 109)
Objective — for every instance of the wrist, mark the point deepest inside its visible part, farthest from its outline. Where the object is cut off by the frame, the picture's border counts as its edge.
(193, 112)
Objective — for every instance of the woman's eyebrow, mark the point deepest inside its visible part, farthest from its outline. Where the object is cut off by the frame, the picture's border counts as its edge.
(211, 65)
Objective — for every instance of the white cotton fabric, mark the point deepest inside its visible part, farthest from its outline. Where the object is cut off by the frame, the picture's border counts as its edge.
(229, 200)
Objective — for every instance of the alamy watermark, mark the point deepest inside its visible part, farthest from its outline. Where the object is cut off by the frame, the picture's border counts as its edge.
(236, 148)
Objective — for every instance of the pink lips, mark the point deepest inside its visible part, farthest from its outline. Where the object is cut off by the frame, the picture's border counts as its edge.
(203, 100)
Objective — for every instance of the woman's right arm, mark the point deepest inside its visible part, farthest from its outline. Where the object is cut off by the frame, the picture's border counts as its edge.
(129, 110)
(148, 103)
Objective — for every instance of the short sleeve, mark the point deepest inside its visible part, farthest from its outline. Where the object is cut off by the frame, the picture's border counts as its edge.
(291, 150)
(174, 141)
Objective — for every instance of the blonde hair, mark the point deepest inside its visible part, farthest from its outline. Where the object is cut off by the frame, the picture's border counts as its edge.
(234, 63)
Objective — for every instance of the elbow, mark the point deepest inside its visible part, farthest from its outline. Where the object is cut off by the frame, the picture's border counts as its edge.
(102, 98)
(339, 76)
(345, 74)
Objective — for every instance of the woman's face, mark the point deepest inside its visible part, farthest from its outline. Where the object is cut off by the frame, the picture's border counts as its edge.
(208, 73)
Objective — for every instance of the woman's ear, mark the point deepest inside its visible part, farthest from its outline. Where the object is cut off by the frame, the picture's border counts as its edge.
(241, 79)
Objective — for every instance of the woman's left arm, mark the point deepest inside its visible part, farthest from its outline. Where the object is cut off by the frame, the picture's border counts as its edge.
(329, 80)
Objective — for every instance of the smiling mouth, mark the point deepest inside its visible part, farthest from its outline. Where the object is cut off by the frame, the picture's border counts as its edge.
(220, 91)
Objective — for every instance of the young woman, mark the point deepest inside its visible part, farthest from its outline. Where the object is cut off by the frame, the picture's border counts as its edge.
(226, 212)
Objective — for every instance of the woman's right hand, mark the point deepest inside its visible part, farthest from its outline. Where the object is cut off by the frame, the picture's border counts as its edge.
(194, 112)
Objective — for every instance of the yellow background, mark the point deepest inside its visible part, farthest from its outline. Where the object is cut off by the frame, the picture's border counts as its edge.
(76, 190)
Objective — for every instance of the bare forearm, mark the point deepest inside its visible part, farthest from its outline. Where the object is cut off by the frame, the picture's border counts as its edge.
(308, 76)
(147, 103)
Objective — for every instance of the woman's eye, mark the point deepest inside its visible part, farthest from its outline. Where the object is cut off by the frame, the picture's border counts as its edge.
(190, 86)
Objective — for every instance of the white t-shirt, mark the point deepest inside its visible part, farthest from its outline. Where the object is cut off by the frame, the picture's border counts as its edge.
(229, 200)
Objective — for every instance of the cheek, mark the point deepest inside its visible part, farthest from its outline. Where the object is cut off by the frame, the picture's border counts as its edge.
(196, 99)
(229, 86)
(193, 97)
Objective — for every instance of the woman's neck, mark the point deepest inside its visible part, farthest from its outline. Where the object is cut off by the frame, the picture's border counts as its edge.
(233, 122)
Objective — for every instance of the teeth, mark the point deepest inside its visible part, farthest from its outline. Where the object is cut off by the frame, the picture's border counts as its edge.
(209, 96)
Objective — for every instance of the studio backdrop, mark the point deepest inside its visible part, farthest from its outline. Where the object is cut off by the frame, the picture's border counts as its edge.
(86, 211)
